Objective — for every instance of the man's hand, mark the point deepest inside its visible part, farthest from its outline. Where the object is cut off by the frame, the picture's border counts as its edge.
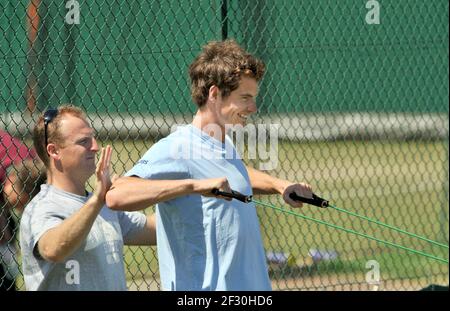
(205, 187)
(300, 189)
(59, 242)
(102, 174)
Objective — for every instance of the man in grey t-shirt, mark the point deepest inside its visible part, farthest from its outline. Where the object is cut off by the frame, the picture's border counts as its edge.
(69, 239)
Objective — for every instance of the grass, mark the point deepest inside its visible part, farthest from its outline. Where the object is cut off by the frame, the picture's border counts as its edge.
(403, 183)
(400, 183)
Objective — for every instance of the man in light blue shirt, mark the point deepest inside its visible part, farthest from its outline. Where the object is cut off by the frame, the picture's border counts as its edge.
(207, 242)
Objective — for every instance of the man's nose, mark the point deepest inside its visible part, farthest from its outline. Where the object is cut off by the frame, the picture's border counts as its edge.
(94, 145)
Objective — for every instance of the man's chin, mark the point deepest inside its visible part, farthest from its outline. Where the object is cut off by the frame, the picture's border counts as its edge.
(90, 171)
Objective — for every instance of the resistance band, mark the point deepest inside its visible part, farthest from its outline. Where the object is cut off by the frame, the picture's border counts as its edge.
(324, 203)
(317, 201)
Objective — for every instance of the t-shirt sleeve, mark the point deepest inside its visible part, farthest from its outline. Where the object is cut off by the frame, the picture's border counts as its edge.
(43, 220)
(161, 162)
(131, 223)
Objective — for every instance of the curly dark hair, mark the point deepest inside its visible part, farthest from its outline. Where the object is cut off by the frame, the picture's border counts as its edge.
(222, 63)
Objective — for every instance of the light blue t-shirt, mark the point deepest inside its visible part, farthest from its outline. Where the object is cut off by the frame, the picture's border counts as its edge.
(204, 243)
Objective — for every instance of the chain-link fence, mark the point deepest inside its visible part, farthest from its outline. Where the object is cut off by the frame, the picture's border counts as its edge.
(359, 89)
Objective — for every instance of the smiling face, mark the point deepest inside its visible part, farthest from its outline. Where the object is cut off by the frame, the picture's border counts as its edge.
(76, 156)
(239, 105)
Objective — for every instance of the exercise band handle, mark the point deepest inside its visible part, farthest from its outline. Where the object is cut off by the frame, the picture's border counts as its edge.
(233, 194)
(316, 201)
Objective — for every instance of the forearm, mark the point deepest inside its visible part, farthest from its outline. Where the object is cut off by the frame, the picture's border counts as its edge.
(133, 193)
(263, 183)
(60, 242)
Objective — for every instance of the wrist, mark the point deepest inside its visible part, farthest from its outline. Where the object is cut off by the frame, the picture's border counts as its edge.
(96, 201)
(281, 186)
(194, 186)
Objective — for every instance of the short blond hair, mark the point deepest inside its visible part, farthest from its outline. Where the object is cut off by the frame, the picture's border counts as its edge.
(53, 133)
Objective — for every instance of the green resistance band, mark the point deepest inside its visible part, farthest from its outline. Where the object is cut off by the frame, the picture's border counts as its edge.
(317, 201)
(353, 232)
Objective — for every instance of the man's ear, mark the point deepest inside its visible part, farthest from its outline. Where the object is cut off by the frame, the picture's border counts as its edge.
(53, 151)
(213, 93)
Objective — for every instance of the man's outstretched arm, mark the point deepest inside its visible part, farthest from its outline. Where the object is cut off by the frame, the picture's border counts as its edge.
(134, 193)
(263, 183)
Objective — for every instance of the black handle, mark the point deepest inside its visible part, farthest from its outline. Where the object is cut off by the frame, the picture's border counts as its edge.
(316, 201)
(234, 194)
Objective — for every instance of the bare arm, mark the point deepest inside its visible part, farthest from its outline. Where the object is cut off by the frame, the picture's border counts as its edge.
(56, 244)
(134, 193)
(263, 183)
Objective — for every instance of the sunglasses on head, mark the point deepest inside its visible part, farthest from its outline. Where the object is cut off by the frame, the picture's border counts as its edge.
(49, 115)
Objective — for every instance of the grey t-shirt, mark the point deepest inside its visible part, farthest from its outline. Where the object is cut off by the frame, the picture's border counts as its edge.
(96, 265)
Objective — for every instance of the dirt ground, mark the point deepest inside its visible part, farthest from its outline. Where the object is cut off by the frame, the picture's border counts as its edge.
(355, 283)
(331, 282)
